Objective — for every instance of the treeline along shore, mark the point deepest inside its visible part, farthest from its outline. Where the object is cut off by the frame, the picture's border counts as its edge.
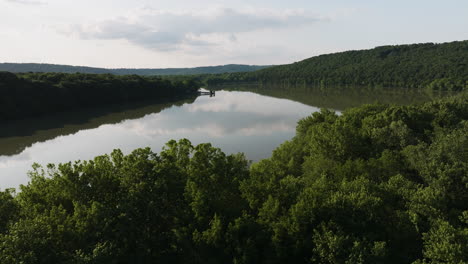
(34, 94)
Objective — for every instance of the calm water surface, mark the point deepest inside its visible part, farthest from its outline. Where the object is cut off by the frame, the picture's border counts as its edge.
(233, 121)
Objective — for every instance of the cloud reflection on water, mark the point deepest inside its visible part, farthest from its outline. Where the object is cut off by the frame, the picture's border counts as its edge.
(234, 121)
(233, 113)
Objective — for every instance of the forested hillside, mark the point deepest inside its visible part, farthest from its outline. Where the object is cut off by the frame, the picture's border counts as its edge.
(434, 66)
(43, 67)
(377, 184)
(34, 94)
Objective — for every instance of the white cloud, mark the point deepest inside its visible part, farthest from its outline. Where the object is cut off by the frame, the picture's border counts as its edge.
(167, 30)
(26, 2)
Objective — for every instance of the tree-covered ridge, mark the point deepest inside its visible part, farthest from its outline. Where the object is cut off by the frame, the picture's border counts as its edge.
(435, 66)
(377, 184)
(43, 67)
(33, 94)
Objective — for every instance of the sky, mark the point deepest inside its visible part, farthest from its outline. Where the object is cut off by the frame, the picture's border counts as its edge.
(182, 33)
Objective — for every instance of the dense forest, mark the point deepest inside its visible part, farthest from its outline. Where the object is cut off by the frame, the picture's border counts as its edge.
(35, 94)
(432, 66)
(43, 67)
(376, 184)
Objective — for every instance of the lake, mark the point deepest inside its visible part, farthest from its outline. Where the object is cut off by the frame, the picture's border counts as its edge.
(254, 122)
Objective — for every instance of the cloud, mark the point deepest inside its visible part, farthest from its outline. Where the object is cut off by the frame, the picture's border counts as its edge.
(167, 30)
(26, 2)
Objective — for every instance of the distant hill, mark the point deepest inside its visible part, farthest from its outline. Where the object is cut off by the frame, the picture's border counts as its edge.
(437, 66)
(38, 67)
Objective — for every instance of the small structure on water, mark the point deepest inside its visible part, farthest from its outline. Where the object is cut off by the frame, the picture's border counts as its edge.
(204, 91)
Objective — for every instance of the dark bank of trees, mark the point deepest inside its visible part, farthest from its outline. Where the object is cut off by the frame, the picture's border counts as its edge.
(432, 66)
(377, 184)
(34, 94)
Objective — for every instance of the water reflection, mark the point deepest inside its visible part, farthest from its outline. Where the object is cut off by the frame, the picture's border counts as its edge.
(340, 98)
(254, 121)
(234, 121)
(19, 135)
